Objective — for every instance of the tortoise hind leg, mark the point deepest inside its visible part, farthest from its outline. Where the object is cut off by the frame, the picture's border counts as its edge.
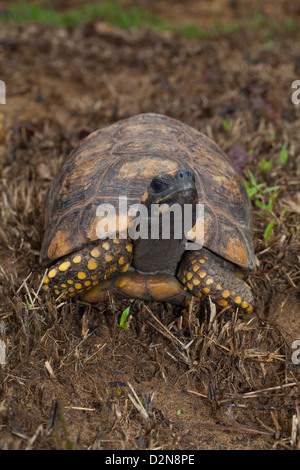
(80, 271)
(204, 273)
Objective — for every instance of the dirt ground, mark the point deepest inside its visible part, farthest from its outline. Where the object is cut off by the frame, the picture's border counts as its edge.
(202, 380)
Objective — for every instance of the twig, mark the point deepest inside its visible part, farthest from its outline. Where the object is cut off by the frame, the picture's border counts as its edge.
(135, 400)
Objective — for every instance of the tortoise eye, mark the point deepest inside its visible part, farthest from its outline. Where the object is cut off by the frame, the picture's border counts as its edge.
(159, 185)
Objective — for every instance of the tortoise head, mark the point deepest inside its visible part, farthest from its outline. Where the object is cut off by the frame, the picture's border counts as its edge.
(171, 193)
(178, 187)
(165, 199)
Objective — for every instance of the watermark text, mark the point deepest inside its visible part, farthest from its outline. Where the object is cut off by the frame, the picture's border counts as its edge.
(161, 221)
(2, 92)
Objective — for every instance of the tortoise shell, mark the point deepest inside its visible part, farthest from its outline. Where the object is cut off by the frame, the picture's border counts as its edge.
(121, 160)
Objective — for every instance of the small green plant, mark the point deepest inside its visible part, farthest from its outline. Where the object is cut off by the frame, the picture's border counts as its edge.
(257, 21)
(123, 319)
(269, 230)
(227, 124)
(290, 25)
(265, 165)
(284, 155)
(262, 198)
(256, 191)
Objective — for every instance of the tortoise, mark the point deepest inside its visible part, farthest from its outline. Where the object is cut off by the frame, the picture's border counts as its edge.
(151, 159)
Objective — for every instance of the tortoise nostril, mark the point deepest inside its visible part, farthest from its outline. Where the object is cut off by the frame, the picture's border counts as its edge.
(184, 174)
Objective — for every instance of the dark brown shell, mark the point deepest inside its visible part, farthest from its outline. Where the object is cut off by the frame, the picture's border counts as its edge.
(122, 159)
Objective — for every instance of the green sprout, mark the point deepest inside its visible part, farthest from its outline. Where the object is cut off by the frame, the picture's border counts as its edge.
(269, 230)
(123, 319)
(265, 165)
(284, 155)
(227, 123)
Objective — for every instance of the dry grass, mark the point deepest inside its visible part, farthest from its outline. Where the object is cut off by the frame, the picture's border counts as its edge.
(207, 379)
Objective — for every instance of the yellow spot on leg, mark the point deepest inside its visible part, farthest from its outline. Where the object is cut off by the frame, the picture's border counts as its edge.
(202, 274)
(206, 290)
(129, 248)
(69, 281)
(64, 266)
(122, 260)
(239, 273)
(92, 264)
(105, 246)
(244, 304)
(77, 259)
(95, 252)
(45, 287)
(87, 283)
(124, 269)
(78, 285)
(196, 282)
(209, 281)
(225, 293)
(222, 303)
(195, 268)
(52, 273)
(189, 276)
(46, 280)
(238, 300)
(108, 258)
(81, 275)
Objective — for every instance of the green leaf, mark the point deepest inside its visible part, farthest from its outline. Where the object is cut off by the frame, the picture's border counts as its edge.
(284, 155)
(265, 165)
(252, 178)
(272, 188)
(260, 204)
(252, 192)
(269, 229)
(123, 319)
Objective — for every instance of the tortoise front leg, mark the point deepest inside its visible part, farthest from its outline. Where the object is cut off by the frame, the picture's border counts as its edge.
(80, 271)
(204, 273)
